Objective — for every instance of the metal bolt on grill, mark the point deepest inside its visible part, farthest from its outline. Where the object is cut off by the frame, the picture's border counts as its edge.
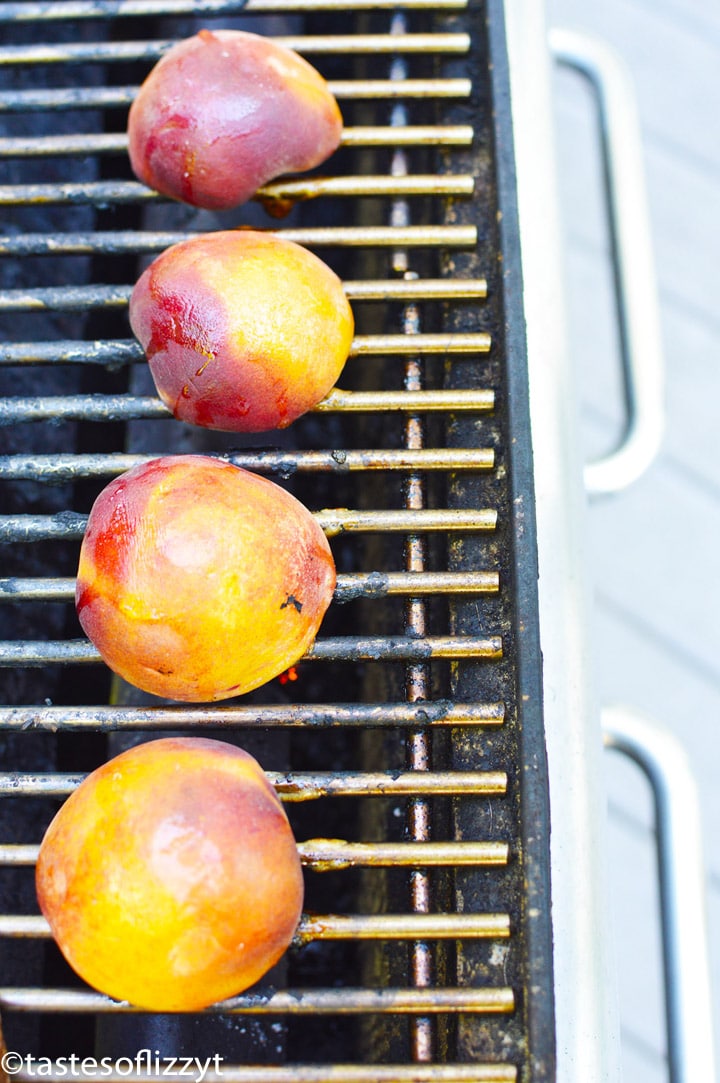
(409, 751)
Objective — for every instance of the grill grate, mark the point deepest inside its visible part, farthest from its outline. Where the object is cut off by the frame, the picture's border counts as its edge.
(423, 952)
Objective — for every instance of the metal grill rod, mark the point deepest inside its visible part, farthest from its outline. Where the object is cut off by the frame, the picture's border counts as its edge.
(417, 676)
(57, 468)
(121, 97)
(325, 855)
(333, 1073)
(17, 652)
(287, 1002)
(81, 298)
(322, 45)
(117, 352)
(70, 146)
(120, 192)
(136, 242)
(106, 718)
(14, 411)
(93, 9)
(71, 525)
(303, 785)
(349, 586)
(336, 927)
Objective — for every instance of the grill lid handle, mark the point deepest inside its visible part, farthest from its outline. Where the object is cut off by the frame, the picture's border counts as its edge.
(632, 260)
(681, 870)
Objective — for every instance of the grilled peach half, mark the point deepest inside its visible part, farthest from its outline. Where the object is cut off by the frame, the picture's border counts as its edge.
(225, 111)
(170, 877)
(243, 331)
(198, 581)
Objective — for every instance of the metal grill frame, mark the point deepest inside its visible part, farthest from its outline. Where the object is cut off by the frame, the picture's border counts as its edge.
(414, 649)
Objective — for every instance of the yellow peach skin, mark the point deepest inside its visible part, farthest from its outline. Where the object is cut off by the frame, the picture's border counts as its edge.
(243, 331)
(170, 878)
(198, 580)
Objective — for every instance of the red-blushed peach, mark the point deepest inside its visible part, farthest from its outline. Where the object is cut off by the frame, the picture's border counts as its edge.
(170, 877)
(243, 331)
(198, 580)
(226, 111)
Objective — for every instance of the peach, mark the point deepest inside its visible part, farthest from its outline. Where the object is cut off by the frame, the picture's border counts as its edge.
(198, 580)
(243, 331)
(224, 112)
(170, 877)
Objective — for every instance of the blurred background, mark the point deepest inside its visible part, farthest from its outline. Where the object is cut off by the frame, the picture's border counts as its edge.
(653, 549)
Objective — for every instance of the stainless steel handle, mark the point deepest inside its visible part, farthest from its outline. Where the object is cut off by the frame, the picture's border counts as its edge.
(688, 994)
(632, 260)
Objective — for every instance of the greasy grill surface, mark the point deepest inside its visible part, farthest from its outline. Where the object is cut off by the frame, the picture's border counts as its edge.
(409, 748)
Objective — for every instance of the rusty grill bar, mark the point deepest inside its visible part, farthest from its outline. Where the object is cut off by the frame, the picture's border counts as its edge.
(440, 968)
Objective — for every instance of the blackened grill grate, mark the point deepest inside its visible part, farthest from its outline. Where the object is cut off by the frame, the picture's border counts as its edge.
(424, 952)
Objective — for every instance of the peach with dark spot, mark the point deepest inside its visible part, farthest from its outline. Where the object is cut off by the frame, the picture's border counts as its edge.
(243, 331)
(170, 877)
(198, 581)
(226, 111)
